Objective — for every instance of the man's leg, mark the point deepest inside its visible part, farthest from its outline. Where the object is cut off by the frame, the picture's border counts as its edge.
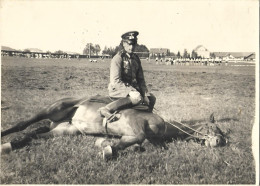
(134, 98)
(110, 108)
(152, 100)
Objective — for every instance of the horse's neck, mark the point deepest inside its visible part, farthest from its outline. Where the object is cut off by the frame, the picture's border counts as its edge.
(175, 129)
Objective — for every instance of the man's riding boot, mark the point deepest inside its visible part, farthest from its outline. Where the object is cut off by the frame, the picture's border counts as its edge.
(152, 100)
(109, 109)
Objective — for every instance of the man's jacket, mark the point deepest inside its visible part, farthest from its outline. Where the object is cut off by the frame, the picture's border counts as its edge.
(126, 74)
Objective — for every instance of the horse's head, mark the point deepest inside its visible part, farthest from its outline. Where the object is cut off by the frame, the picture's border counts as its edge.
(214, 137)
(215, 141)
(207, 134)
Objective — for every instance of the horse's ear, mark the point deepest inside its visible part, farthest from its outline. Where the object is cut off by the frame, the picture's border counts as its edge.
(211, 118)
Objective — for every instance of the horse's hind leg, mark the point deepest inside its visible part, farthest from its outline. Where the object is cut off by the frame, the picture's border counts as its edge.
(60, 110)
(42, 132)
(25, 140)
(62, 129)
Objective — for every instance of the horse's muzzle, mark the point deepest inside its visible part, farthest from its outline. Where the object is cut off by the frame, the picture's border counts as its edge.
(215, 141)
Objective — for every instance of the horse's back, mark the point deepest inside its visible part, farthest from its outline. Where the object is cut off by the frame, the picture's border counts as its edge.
(142, 121)
(87, 118)
(131, 121)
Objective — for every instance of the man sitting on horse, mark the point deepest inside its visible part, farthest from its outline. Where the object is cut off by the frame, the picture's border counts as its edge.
(127, 82)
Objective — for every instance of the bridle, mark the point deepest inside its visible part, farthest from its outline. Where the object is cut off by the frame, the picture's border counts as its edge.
(204, 136)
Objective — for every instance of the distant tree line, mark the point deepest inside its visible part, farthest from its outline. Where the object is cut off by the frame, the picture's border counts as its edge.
(186, 54)
(139, 48)
(142, 50)
(91, 49)
(110, 50)
(94, 49)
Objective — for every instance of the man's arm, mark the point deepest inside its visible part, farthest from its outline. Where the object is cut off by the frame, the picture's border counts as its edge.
(140, 79)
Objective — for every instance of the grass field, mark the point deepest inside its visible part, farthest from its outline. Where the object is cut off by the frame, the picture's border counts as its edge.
(184, 93)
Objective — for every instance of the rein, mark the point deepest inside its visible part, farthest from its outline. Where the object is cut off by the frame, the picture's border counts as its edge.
(205, 135)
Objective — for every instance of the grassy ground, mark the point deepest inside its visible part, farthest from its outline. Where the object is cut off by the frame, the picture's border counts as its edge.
(184, 93)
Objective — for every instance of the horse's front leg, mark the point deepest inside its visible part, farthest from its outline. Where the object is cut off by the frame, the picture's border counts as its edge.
(158, 141)
(127, 141)
(124, 142)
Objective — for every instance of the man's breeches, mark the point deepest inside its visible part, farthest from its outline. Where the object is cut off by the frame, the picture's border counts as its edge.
(136, 98)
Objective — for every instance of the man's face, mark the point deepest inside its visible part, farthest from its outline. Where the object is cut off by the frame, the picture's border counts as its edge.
(129, 48)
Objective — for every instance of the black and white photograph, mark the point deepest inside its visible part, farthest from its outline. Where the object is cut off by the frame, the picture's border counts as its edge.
(129, 92)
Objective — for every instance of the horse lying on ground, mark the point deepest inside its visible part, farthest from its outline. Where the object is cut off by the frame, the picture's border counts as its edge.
(74, 116)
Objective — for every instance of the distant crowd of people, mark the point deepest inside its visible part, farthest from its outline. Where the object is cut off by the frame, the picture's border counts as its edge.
(165, 61)
(191, 61)
(48, 55)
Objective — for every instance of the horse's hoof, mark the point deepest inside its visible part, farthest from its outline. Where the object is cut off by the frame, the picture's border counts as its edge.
(99, 142)
(165, 148)
(107, 152)
(138, 148)
(6, 148)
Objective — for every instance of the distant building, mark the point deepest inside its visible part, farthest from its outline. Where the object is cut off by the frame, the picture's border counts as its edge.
(202, 51)
(250, 57)
(37, 53)
(35, 50)
(159, 52)
(6, 48)
(233, 55)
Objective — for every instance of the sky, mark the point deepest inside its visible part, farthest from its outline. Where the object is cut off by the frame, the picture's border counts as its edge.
(220, 26)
